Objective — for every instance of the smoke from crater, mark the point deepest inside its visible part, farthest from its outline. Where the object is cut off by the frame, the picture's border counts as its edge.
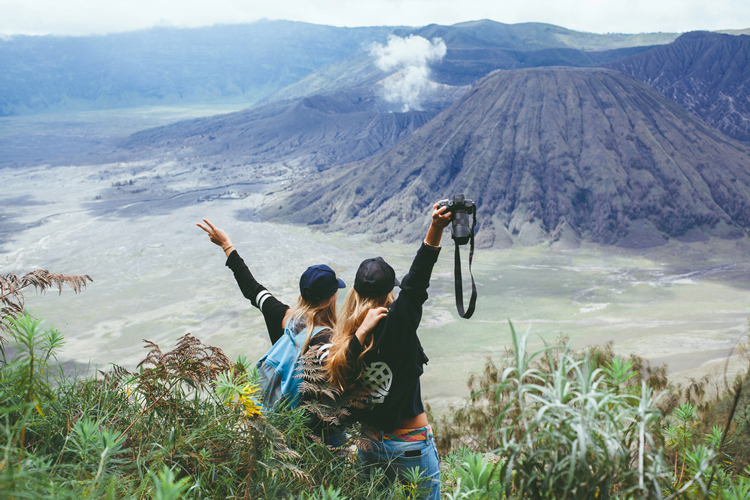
(410, 57)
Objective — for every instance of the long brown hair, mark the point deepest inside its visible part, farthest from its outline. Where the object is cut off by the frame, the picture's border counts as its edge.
(306, 314)
(351, 316)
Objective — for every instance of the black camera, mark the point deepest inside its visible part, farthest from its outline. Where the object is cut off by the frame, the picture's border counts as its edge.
(460, 208)
(462, 232)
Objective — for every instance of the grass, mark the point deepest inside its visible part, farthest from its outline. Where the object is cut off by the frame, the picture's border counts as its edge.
(542, 423)
(187, 424)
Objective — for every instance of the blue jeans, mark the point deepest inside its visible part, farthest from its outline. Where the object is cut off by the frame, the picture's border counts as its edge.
(397, 457)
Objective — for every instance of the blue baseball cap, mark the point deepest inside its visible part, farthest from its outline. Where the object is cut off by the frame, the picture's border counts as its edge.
(319, 283)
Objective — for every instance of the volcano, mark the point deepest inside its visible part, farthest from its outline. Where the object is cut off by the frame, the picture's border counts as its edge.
(558, 155)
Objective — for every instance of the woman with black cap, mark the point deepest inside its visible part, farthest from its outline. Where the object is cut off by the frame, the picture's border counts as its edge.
(315, 307)
(375, 346)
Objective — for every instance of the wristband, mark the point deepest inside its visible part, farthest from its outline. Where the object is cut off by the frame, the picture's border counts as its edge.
(227, 248)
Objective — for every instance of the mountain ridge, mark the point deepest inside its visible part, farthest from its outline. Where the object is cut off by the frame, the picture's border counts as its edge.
(223, 63)
(475, 48)
(706, 73)
(309, 134)
(549, 154)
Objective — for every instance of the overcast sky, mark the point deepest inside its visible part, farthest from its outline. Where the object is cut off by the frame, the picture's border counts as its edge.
(82, 17)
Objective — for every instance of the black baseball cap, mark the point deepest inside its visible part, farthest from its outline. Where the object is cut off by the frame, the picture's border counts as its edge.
(319, 283)
(375, 278)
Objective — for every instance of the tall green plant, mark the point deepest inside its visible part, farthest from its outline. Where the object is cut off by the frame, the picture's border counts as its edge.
(24, 379)
(24, 389)
(480, 479)
(568, 432)
(166, 487)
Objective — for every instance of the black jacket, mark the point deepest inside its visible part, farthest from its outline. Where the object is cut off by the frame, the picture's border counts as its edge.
(394, 363)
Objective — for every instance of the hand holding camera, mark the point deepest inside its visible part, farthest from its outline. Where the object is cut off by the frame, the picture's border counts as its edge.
(460, 209)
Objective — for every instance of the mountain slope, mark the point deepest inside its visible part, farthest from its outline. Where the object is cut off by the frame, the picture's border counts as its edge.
(554, 154)
(706, 73)
(315, 132)
(168, 65)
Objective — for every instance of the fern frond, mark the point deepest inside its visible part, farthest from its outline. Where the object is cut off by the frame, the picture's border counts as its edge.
(12, 300)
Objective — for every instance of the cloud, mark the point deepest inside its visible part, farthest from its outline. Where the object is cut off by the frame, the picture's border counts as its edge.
(410, 58)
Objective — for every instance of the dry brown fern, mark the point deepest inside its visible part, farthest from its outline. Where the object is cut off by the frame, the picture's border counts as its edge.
(333, 408)
(167, 388)
(11, 285)
(116, 376)
(190, 362)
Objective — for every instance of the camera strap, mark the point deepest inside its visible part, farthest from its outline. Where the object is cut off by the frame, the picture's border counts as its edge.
(458, 279)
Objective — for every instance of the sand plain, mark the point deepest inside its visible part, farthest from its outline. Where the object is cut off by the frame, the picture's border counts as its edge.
(157, 276)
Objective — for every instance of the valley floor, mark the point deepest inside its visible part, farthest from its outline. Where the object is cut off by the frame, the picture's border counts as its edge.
(157, 276)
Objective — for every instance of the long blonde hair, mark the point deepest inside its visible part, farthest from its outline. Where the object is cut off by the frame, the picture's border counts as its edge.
(306, 314)
(351, 316)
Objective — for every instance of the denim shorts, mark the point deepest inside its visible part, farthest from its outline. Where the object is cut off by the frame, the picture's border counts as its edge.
(397, 457)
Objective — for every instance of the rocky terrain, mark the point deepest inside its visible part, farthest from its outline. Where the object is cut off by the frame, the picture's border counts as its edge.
(338, 114)
(308, 134)
(548, 154)
(706, 73)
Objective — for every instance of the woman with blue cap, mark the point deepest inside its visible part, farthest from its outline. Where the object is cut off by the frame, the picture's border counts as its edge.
(315, 306)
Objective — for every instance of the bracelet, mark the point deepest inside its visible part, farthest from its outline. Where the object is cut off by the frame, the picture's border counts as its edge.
(227, 248)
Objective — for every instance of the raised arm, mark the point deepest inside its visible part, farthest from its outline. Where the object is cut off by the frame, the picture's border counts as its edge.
(440, 220)
(417, 280)
(274, 311)
(406, 311)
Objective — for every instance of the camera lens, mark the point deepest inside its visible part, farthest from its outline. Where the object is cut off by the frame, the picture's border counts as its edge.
(461, 230)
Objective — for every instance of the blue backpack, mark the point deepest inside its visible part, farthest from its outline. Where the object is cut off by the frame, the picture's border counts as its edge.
(280, 373)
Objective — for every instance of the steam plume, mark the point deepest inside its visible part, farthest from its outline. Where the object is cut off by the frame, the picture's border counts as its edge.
(410, 57)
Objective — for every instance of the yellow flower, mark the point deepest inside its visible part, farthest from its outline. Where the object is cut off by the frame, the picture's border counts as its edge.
(250, 400)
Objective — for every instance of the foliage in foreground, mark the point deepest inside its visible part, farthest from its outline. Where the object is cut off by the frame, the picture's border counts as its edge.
(576, 426)
(188, 425)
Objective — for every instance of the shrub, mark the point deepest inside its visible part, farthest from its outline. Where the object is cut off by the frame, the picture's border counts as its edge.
(186, 424)
(575, 426)
(469, 426)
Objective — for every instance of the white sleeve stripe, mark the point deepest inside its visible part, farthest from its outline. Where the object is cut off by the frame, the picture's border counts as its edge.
(261, 298)
(323, 351)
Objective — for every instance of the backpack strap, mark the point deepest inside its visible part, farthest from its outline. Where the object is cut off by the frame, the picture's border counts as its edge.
(299, 339)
